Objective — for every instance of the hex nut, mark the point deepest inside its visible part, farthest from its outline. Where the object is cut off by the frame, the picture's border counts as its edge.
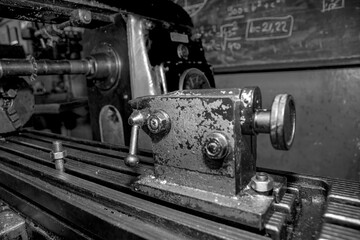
(216, 146)
(158, 122)
(262, 182)
(58, 155)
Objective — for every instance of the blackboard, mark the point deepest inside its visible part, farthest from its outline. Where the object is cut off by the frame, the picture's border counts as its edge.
(243, 35)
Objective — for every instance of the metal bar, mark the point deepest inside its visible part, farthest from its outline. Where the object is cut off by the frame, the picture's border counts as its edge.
(23, 67)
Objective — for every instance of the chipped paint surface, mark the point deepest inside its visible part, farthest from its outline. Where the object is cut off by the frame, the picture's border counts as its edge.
(191, 120)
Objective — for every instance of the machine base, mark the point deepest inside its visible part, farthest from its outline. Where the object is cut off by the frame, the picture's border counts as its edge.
(248, 207)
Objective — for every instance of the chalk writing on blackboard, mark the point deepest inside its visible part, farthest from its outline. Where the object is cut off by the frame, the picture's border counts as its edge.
(238, 11)
(329, 5)
(191, 7)
(229, 35)
(269, 28)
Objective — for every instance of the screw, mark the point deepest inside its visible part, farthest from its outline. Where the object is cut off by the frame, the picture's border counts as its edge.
(216, 146)
(57, 146)
(213, 147)
(154, 123)
(159, 121)
(58, 154)
(261, 176)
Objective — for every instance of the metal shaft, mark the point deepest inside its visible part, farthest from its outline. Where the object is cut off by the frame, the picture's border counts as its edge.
(22, 67)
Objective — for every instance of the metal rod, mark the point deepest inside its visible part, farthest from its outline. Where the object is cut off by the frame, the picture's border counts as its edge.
(22, 67)
(132, 159)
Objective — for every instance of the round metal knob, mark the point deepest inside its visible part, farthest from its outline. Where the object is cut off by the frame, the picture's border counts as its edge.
(282, 122)
(279, 122)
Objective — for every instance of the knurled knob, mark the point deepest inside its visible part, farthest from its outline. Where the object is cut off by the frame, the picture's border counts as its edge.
(279, 122)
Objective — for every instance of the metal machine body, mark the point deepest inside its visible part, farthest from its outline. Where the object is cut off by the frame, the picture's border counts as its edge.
(200, 181)
(204, 146)
(121, 49)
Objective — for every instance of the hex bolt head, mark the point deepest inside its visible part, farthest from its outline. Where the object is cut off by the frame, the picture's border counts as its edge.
(216, 146)
(58, 154)
(262, 182)
(158, 121)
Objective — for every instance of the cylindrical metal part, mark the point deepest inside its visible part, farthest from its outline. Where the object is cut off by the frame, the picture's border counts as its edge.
(132, 159)
(22, 67)
(134, 139)
(283, 122)
(279, 122)
(59, 165)
(262, 121)
(57, 146)
(136, 119)
(101, 66)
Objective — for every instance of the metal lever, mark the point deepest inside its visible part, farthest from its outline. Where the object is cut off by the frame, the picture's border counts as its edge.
(137, 119)
(279, 122)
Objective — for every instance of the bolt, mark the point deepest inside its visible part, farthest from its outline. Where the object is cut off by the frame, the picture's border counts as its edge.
(262, 182)
(11, 93)
(154, 123)
(213, 147)
(86, 16)
(183, 51)
(57, 146)
(261, 176)
(58, 154)
(216, 146)
(158, 122)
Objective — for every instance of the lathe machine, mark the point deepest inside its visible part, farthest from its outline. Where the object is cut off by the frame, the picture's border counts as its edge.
(198, 181)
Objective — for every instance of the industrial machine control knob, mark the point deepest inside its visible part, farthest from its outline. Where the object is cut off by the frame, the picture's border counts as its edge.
(279, 122)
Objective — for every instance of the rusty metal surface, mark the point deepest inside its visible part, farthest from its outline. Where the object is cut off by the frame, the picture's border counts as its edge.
(179, 155)
(204, 145)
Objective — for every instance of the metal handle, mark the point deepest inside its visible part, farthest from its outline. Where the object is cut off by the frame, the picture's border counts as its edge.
(280, 122)
(137, 119)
